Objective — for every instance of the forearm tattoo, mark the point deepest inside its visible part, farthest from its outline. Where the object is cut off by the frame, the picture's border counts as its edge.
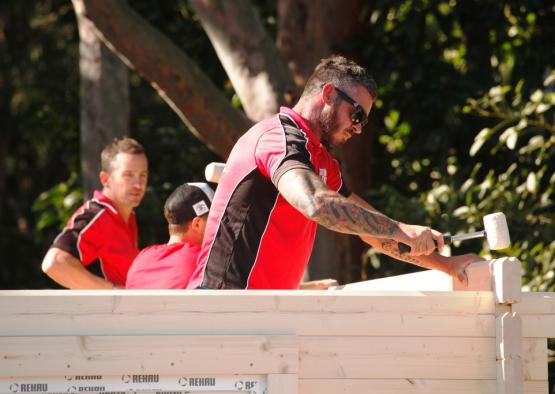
(391, 248)
(306, 192)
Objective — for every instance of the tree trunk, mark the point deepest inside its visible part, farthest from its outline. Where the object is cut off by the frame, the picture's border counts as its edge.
(104, 100)
(177, 79)
(259, 75)
(310, 30)
(307, 32)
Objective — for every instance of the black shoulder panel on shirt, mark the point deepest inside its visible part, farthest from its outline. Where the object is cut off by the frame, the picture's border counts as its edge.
(68, 238)
(297, 151)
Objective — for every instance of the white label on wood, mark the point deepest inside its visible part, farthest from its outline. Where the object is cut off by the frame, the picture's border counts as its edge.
(148, 382)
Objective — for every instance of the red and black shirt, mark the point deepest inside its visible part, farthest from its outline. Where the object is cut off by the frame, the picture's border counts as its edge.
(254, 238)
(96, 233)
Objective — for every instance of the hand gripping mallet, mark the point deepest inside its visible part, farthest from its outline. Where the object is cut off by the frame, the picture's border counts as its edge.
(495, 230)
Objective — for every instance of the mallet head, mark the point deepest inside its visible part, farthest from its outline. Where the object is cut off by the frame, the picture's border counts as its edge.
(497, 231)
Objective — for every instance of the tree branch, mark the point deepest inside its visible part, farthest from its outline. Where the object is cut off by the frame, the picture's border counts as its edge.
(258, 72)
(176, 78)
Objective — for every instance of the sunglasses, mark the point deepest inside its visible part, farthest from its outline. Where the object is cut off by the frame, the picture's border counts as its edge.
(357, 117)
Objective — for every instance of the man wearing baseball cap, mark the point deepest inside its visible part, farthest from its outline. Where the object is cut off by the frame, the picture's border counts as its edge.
(170, 266)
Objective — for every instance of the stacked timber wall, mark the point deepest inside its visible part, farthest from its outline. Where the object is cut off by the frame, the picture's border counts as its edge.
(340, 341)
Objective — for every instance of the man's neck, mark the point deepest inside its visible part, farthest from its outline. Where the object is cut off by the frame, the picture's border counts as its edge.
(123, 210)
(176, 238)
(310, 110)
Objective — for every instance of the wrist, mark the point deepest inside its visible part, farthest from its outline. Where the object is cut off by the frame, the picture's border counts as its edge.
(399, 234)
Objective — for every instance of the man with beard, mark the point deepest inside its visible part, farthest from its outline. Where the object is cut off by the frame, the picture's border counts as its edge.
(280, 181)
(103, 231)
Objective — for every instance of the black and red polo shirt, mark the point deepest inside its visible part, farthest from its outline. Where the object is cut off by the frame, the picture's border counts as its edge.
(96, 233)
(254, 238)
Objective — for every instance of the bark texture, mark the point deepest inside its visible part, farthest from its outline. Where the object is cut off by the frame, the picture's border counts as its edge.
(255, 67)
(104, 100)
(177, 79)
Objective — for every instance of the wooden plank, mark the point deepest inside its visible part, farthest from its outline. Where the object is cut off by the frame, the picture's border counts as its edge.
(253, 323)
(155, 301)
(536, 303)
(461, 314)
(283, 384)
(534, 359)
(410, 357)
(395, 357)
(538, 326)
(409, 386)
(109, 355)
(508, 344)
(429, 280)
(507, 277)
(480, 277)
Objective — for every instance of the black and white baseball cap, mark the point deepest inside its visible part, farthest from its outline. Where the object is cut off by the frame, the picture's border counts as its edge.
(188, 201)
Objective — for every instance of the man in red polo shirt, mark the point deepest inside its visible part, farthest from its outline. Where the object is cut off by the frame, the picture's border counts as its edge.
(280, 181)
(170, 266)
(99, 243)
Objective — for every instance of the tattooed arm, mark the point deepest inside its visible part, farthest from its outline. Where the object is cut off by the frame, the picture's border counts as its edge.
(454, 266)
(305, 191)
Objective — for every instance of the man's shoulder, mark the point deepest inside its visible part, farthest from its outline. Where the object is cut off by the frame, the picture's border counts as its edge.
(164, 250)
(91, 210)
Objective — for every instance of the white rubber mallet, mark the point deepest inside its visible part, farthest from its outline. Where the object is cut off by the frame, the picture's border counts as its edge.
(495, 231)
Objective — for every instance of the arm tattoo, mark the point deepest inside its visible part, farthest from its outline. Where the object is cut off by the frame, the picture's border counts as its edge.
(391, 248)
(306, 192)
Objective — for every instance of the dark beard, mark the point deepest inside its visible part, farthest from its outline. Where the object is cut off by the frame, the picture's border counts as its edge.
(328, 122)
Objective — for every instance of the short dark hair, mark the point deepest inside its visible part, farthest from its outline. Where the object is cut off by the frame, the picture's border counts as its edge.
(119, 145)
(343, 73)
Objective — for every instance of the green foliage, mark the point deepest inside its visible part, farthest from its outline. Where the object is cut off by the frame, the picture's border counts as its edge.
(431, 164)
(54, 206)
(515, 173)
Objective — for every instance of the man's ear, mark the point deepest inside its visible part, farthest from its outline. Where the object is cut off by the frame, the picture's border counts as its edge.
(195, 223)
(327, 93)
(104, 178)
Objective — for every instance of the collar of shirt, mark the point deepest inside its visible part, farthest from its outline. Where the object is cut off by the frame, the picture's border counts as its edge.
(105, 201)
(302, 123)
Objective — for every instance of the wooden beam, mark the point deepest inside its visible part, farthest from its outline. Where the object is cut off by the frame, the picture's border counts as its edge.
(410, 386)
(507, 274)
(508, 346)
(209, 312)
(113, 355)
(283, 384)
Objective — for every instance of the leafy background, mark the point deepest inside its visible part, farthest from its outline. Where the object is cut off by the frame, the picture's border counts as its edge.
(465, 123)
(465, 120)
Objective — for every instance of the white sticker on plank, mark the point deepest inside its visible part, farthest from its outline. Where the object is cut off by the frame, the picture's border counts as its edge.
(136, 383)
